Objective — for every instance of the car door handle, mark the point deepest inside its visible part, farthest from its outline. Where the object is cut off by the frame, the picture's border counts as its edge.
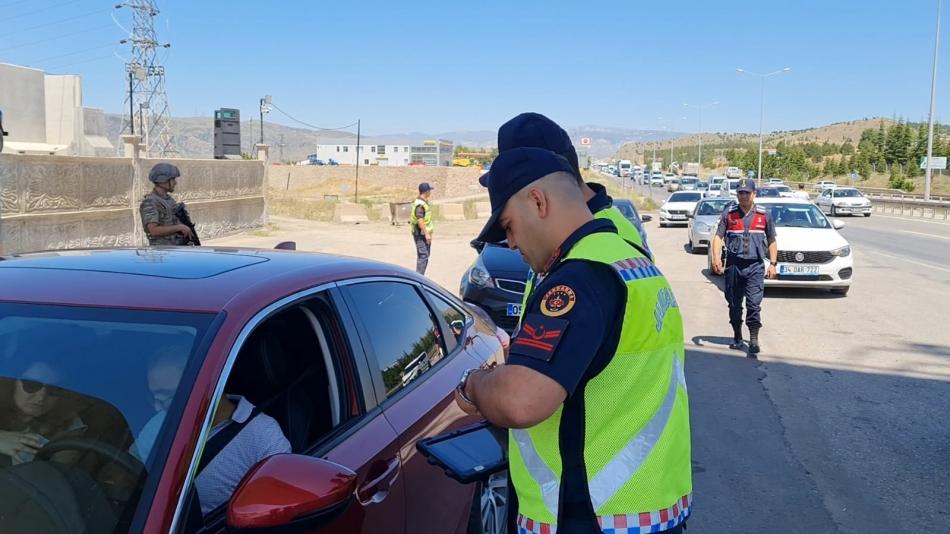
(375, 490)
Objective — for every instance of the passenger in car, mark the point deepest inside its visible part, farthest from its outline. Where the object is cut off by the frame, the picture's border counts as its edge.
(165, 368)
(32, 414)
(257, 436)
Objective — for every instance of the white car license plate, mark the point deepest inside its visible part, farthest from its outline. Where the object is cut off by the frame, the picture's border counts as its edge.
(677, 217)
(514, 310)
(798, 269)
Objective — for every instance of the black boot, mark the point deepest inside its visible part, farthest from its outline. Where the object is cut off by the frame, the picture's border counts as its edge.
(736, 338)
(753, 343)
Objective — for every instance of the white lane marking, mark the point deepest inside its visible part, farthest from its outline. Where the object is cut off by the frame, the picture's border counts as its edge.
(928, 235)
(922, 264)
(912, 219)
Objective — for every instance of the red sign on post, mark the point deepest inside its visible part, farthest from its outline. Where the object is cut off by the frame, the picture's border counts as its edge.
(585, 141)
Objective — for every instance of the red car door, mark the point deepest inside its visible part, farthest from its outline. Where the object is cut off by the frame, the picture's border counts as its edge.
(416, 359)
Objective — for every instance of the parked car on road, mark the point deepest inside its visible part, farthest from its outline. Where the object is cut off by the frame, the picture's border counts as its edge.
(704, 222)
(354, 360)
(689, 183)
(673, 185)
(678, 207)
(844, 201)
(629, 211)
(495, 282)
(656, 180)
(825, 184)
(713, 191)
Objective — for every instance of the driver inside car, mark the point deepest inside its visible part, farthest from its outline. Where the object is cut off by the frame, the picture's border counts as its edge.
(33, 414)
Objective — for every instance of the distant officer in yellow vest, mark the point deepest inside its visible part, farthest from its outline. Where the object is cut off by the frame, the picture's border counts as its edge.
(594, 390)
(421, 222)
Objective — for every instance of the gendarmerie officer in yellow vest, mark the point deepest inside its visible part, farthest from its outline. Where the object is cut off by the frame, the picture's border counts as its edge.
(421, 222)
(594, 390)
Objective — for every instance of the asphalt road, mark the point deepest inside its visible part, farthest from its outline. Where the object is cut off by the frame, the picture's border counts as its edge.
(839, 427)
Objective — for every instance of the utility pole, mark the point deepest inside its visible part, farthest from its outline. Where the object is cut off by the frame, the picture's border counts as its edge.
(356, 190)
(700, 109)
(147, 79)
(281, 145)
(933, 91)
(762, 78)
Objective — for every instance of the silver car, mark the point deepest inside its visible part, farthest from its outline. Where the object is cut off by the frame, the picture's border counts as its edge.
(702, 225)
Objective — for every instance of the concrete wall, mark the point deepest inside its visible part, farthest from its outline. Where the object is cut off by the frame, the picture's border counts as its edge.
(449, 182)
(57, 202)
(23, 101)
(64, 113)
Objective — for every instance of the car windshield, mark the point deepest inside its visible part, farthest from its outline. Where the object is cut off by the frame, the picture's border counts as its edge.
(715, 187)
(733, 185)
(796, 215)
(766, 192)
(685, 197)
(689, 180)
(712, 207)
(626, 208)
(850, 193)
(783, 188)
(98, 390)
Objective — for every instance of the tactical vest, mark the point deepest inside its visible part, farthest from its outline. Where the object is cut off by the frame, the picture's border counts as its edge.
(414, 220)
(636, 420)
(746, 243)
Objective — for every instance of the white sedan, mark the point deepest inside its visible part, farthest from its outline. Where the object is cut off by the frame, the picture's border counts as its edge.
(844, 200)
(811, 251)
(679, 207)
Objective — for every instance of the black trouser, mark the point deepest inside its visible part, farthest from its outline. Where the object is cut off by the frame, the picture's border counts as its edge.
(422, 252)
(745, 279)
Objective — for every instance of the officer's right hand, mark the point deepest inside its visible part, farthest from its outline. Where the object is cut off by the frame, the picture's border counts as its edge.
(184, 230)
(717, 266)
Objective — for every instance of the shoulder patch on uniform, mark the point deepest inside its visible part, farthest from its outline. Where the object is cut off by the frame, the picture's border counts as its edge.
(539, 336)
(733, 207)
(760, 209)
(558, 301)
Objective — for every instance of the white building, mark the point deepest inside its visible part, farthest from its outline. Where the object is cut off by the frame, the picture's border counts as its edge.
(430, 153)
(44, 115)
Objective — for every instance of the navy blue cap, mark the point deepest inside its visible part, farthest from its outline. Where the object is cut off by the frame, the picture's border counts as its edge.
(534, 130)
(163, 172)
(511, 172)
(746, 185)
(425, 187)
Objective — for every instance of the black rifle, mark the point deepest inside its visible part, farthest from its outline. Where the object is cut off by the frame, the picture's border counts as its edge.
(182, 213)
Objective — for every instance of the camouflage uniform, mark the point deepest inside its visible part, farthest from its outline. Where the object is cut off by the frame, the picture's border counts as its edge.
(160, 210)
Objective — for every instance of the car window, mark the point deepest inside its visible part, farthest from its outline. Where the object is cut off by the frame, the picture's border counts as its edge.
(766, 192)
(685, 197)
(850, 193)
(402, 332)
(454, 319)
(626, 209)
(101, 387)
(712, 208)
(797, 216)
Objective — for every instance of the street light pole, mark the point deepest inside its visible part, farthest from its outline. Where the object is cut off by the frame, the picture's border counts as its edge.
(762, 77)
(700, 109)
(933, 91)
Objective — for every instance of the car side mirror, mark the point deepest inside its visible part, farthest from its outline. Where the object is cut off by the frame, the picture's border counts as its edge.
(837, 223)
(292, 492)
(477, 245)
(646, 218)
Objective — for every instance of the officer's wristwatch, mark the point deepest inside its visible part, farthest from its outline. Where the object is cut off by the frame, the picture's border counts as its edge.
(461, 386)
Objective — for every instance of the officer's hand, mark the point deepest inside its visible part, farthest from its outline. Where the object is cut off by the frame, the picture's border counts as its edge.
(771, 272)
(717, 265)
(429, 240)
(466, 406)
(184, 230)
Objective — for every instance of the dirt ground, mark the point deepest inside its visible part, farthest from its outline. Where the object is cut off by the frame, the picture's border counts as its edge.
(451, 253)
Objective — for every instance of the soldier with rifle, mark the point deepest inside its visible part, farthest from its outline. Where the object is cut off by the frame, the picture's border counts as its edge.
(166, 222)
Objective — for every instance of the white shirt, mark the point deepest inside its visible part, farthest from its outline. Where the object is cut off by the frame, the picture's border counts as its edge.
(260, 438)
(801, 194)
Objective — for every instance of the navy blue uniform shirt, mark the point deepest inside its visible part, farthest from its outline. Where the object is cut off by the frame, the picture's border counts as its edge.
(569, 332)
(753, 244)
(601, 199)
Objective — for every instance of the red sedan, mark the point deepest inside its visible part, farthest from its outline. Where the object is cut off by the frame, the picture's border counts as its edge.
(147, 390)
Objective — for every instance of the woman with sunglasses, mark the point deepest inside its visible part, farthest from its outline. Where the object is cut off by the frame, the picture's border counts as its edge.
(32, 414)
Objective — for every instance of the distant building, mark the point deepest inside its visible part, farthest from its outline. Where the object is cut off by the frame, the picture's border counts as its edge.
(428, 153)
(44, 115)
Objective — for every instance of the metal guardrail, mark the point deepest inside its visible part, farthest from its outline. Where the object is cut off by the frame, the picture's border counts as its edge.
(908, 207)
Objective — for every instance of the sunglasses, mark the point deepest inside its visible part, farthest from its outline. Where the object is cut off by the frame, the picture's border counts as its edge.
(32, 386)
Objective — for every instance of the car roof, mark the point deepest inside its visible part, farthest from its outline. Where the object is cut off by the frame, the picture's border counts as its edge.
(199, 279)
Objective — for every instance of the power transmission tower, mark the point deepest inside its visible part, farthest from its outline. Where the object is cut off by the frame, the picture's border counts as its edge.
(146, 95)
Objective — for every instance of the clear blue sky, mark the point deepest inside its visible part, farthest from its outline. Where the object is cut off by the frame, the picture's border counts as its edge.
(441, 66)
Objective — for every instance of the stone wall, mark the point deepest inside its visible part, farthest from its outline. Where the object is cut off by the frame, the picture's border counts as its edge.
(449, 182)
(58, 202)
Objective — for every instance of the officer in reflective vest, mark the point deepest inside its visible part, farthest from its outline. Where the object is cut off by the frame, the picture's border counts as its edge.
(593, 392)
(750, 239)
(420, 221)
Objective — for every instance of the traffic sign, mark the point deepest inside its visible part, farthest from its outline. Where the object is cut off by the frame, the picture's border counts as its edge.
(585, 141)
(936, 164)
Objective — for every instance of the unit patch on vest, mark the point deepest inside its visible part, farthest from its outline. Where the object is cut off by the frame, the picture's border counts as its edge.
(558, 301)
(664, 301)
(539, 336)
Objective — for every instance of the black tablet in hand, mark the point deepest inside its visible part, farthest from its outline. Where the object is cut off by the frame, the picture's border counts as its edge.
(469, 454)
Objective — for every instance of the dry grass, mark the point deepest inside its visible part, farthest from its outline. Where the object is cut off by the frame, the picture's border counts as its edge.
(614, 190)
